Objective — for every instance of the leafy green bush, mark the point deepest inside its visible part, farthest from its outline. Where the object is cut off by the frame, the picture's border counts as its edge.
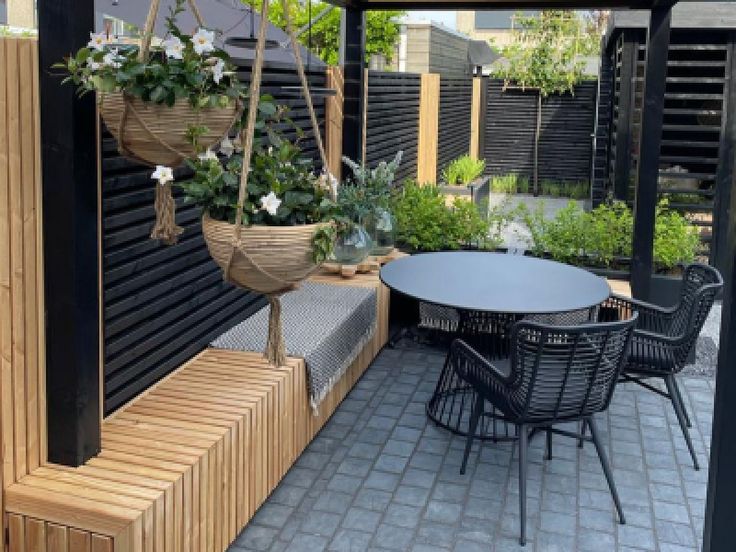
(426, 223)
(603, 235)
(508, 183)
(463, 170)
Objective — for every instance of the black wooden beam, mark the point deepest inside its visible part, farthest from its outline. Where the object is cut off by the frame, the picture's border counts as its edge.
(721, 255)
(720, 507)
(650, 138)
(353, 65)
(622, 166)
(69, 165)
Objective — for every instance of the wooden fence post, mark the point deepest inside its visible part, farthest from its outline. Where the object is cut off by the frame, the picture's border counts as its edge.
(333, 121)
(475, 119)
(429, 111)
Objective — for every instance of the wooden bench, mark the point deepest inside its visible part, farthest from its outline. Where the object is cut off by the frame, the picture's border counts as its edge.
(184, 466)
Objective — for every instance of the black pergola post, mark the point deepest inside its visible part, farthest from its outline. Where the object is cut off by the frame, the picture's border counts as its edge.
(69, 166)
(353, 75)
(650, 138)
(622, 168)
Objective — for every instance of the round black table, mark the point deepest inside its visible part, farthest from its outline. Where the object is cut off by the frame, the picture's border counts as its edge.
(499, 288)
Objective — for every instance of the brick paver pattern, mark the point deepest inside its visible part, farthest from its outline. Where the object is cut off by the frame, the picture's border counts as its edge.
(381, 477)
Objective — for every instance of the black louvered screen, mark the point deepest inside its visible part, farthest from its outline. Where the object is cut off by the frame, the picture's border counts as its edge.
(164, 304)
(565, 142)
(393, 119)
(604, 110)
(456, 97)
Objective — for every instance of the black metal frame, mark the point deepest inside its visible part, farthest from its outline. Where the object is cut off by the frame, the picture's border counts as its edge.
(557, 374)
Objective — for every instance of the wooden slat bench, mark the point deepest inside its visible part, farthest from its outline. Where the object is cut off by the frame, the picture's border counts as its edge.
(184, 466)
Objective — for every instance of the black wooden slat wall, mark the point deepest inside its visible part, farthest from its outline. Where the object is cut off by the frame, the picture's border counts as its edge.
(565, 146)
(602, 130)
(393, 119)
(164, 304)
(456, 97)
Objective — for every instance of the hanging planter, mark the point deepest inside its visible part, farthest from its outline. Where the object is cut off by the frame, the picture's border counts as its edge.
(275, 233)
(163, 104)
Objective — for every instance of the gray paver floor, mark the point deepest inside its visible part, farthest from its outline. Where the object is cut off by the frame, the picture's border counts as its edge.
(381, 477)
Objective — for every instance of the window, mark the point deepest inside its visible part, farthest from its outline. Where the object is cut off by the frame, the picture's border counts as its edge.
(3, 12)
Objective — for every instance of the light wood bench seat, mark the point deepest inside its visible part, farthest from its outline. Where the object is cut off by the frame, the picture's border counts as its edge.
(184, 466)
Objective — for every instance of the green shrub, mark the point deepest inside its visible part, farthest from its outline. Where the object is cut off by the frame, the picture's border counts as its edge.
(426, 223)
(463, 170)
(599, 237)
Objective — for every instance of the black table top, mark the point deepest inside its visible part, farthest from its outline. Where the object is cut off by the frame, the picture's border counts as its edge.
(495, 282)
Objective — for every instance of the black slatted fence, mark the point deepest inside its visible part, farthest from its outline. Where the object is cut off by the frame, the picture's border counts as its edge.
(456, 97)
(393, 119)
(565, 141)
(164, 304)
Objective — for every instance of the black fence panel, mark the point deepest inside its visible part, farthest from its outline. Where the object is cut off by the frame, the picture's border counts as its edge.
(603, 128)
(456, 98)
(565, 140)
(393, 119)
(163, 304)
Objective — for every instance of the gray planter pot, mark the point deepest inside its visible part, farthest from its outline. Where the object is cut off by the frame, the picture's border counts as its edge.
(477, 192)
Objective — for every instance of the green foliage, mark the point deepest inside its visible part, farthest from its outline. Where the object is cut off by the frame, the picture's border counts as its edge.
(510, 184)
(382, 29)
(206, 79)
(545, 51)
(426, 223)
(603, 235)
(463, 170)
(675, 239)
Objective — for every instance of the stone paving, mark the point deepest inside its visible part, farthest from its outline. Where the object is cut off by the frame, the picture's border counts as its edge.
(381, 477)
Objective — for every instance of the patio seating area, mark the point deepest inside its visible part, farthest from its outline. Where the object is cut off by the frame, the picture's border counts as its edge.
(380, 476)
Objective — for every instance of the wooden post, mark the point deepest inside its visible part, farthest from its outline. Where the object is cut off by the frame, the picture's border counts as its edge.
(333, 121)
(720, 505)
(650, 138)
(429, 118)
(622, 168)
(353, 64)
(69, 156)
(475, 121)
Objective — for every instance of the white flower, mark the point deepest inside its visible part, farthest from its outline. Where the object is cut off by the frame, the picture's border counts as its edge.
(112, 59)
(209, 155)
(92, 64)
(98, 41)
(203, 40)
(270, 203)
(174, 47)
(227, 148)
(217, 71)
(163, 174)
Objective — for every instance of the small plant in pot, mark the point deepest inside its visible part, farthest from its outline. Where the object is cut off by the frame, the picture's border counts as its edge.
(463, 177)
(365, 199)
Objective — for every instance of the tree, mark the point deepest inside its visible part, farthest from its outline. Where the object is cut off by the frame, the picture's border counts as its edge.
(546, 52)
(382, 31)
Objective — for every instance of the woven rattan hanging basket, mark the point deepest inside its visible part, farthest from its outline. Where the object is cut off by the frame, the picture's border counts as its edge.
(156, 134)
(266, 259)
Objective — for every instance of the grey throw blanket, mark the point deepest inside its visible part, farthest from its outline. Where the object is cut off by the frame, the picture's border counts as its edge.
(325, 325)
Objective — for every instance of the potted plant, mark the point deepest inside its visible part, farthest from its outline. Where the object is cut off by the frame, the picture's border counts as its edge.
(600, 240)
(162, 103)
(464, 177)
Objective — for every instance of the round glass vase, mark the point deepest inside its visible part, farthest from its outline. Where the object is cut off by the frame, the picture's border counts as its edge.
(381, 227)
(352, 246)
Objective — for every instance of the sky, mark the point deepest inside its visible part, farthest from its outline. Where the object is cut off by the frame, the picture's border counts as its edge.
(447, 18)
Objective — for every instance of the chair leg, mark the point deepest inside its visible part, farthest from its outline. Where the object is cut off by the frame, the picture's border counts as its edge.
(682, 402)
(473, 426)
(549, 444)
(523, 442)
(606, 467)
(672, 390)
(581, 441)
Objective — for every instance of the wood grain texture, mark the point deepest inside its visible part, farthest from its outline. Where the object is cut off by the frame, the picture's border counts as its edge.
(185, 466)
(429, 107)
(475, 122)
(22, 377)
(333, 121)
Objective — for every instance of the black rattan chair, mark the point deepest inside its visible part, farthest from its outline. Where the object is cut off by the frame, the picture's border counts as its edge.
(665, 337)
(555, 375)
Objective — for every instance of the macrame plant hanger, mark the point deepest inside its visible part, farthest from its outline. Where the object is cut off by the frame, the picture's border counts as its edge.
(165, 227)
(275, 351)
